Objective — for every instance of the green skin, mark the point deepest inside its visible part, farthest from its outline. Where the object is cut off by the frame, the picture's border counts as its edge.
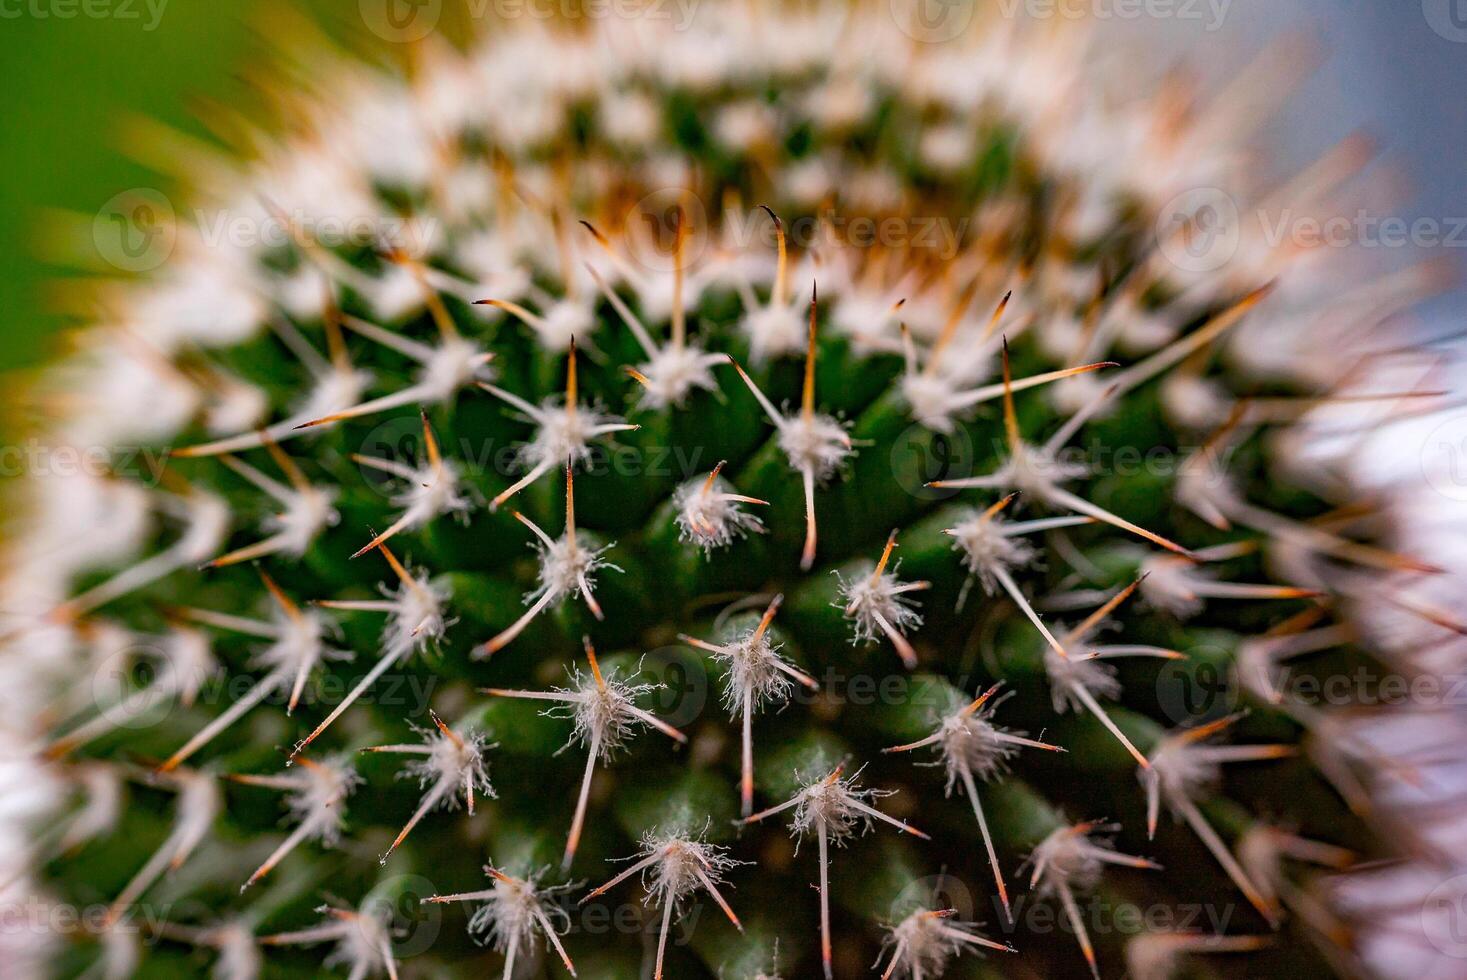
(667, 586)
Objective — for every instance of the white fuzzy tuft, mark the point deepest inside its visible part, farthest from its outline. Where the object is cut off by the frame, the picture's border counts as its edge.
(565, 437)
(682, 864)
(774, 331)
(451, 367)
(1180, 770)
(417, 621)
(566, 565)
(756, 672)
(1169, 584)
(455, 763)
(239, 953)
(818, 444)
(674, 372)
(970, 744)
(605, 714)
(564, 321)
(835, 805)
(1067, 674)
(925, 943)
(304, 515)
(300, 643)
(988, 549)
(1069, 858)
(515, 910)
(317, 801)
(433, 491)
(1037, 472)
(935, 400)
(877, 605)
(711, 515)
(362, 938)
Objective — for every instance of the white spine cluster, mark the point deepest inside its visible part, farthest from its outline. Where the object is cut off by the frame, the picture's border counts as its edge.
(306, 509)
(877, 603)
(415, 621)
(362, 938)
(756, 674)
(710, 512)
(926, 941)
(1183, 765)
(199, 805)
(187, 663)
(1181, 586)
(832, 809)
(990, 547)
(206, 519)
(674, 866)
(564, 430)
(514, 912)
(605, 716)
(973, 748)
(430, 490)
(297, 650)
(316, 794)
(816, 445)
(567, 568)
(448, 764)
(1070, 861)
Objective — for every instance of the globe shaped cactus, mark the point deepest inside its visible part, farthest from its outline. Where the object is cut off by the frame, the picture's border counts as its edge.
(563, 494)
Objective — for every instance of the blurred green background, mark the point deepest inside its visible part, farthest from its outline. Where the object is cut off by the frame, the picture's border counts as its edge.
(68, 82)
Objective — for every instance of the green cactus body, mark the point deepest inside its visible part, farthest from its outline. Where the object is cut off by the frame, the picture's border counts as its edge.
(748, 410)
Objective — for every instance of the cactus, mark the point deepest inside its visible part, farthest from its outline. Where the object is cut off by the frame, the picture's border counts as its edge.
(790, 359)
